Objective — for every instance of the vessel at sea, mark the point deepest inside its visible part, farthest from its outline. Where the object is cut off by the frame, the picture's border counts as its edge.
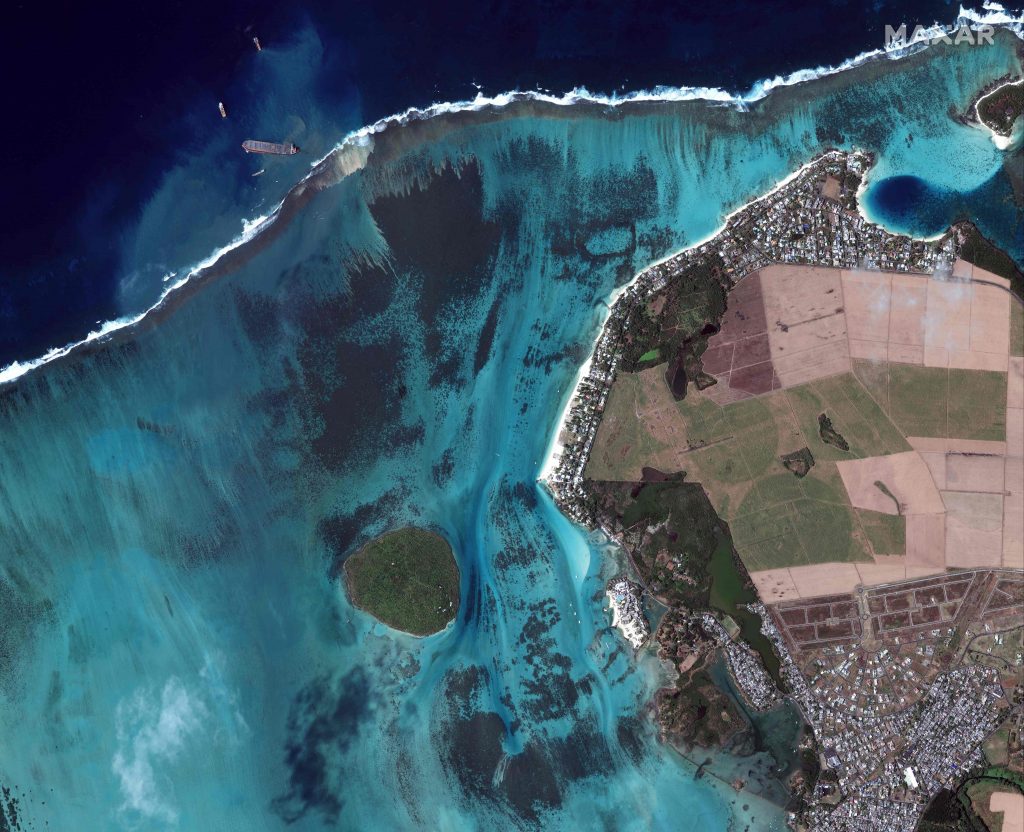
(275, 148)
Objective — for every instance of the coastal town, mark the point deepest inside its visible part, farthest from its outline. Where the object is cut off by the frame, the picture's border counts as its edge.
(903, 712)
(902, 684)
(883, 761)
(746, 669)
(810, 220)
(750, 677)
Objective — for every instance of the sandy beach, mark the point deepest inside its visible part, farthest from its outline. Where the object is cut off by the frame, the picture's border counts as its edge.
(556, 446)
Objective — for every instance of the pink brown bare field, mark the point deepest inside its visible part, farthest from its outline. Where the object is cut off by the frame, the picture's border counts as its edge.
(788, 325)
(776, 585)
(905, 476)
(933, 323)
(872, 339)
(962, 499)
(806, 323)
(1011, 806)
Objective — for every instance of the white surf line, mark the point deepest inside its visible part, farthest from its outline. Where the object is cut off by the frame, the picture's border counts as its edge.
(994, 15)
(555, 445)
(250, 228)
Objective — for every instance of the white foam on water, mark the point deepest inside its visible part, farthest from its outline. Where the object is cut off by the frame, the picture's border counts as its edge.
(361, 141)
(250, 228)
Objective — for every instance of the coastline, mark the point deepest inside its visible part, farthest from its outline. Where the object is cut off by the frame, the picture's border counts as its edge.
(868, 245)
(555, 447)
(998, 139)
(354, 150)
(658, 529)
(347, 580)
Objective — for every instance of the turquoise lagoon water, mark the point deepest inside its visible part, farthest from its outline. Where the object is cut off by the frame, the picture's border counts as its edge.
(175, 650)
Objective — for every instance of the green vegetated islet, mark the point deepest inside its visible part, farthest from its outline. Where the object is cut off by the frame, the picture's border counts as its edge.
(408, 579)
(1000, 109)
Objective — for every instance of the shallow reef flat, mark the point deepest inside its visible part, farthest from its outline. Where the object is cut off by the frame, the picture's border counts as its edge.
(176, 650)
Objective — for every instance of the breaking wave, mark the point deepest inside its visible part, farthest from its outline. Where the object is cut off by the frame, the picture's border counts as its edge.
(992, 14)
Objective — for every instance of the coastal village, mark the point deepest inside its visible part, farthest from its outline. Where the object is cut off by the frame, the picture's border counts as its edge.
(624, 596)
(901, 703)
(885, 756)
(810, 220)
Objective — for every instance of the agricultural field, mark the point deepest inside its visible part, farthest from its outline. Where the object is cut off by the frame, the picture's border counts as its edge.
(897, 457)
(936, 402)
(1017, 330)
(887, 533)
(979, 793)
(777, 518)
(628, 439)
(1003, 746)
(855, 413)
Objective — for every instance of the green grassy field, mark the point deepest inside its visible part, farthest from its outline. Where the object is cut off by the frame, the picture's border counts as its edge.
(854, 414)
(624, 443)
(918, 399)
(742, 436)
(735, 452)
(785, 521)
(887, 533)
(995, 747)
(930, 401)
(407, 579)
(776, 518)
(977, 405)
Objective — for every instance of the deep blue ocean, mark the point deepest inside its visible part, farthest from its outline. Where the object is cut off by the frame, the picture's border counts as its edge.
(176, 650)
(115, 124)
